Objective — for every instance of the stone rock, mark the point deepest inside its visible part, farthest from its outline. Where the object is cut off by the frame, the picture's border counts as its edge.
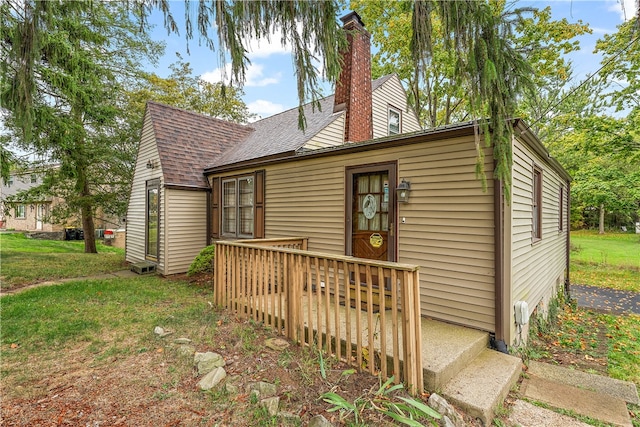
(212, 379)
(207, 362)
(319, 421)
(441, 405)
(161, 332)
(263, 389)
(272, 404)
(290, 419)
(182, 341)
(446, 422)
(186, 350)
(277, 344)
(231, 388)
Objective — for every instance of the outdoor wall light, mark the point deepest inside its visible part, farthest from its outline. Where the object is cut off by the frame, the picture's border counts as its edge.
(402, 192)
(151, 164)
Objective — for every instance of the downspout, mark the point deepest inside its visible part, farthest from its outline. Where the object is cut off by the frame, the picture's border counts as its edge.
(498, 234)
(567, 279)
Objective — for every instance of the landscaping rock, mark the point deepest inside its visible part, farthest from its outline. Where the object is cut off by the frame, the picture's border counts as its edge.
(447, 411)
(277, 344)
(186, 350)
(271, 404)
(231, 388)
(319, 421)
(161, 332)
(207, 362)
(182, 341)
(212, 379)
(290, 419)
(263, 389)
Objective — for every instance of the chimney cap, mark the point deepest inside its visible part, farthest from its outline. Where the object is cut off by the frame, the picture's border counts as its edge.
(351, 17)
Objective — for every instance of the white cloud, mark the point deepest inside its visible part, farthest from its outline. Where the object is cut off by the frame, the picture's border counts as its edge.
(254, 77)
(263, 48)
(265, 108)
(626, 9)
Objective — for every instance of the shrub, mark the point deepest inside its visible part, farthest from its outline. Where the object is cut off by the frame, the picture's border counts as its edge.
(203, 263)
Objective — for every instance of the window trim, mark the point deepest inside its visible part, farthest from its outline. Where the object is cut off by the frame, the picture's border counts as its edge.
(561, 210)
(536, 203)
(236, 180)
(390, 109)
(153, 184)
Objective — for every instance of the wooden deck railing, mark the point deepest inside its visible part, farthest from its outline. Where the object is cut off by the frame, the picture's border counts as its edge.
(364, 312)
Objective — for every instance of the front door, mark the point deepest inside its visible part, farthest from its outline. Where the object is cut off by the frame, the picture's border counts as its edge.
(371, 212)
(39, 216)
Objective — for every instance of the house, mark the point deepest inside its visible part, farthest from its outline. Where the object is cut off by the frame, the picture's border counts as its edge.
(482, 258)
(27, 214)
(23, 212)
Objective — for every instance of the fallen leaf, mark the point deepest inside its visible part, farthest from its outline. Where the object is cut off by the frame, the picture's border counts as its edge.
(14, 345)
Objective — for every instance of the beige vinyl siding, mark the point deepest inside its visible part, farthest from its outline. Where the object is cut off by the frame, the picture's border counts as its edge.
(537, 268)
(330, 136)
(448, 229)
(186, 220)
(391, 93)
(136, 215)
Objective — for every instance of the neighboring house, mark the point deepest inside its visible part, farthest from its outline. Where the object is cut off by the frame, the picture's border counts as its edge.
(479, 256)
(25, 215)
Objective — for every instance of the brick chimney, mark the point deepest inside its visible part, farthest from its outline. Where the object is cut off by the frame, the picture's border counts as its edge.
(353, 89)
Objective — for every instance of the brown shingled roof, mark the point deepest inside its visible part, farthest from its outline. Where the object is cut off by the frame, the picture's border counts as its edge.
(188, 141)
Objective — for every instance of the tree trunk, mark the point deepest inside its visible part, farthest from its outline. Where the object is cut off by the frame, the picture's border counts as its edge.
(601, 225)
(87, 214)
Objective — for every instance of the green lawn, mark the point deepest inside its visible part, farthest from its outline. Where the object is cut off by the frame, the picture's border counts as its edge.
(107, 313)
(611, 260)
(25, 261)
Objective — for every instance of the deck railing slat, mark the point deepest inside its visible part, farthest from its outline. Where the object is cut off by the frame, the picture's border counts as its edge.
(271, 280)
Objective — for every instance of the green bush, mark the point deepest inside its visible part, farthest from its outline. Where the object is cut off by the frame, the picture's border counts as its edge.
(203, 263)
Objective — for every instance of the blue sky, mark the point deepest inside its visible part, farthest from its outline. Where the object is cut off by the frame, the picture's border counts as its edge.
(271, 88)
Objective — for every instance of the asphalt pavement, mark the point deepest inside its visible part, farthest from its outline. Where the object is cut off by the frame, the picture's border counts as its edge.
(605, 299)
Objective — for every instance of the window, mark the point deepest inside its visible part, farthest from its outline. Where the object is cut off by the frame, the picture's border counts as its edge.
(395, 117)
(537, 204)
(20, 211)
(237, 207)
(152, 219)
(10, 182)
(34, 178)
(561, 209)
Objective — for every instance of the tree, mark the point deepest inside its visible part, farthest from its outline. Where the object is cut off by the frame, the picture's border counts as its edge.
(621, 62)
(183, 90)
(62, 81)
(487, 63)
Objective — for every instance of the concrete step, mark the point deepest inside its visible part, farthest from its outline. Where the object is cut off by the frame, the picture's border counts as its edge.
(448, 349)
(483, 384)
(624, 390)
(611, 410)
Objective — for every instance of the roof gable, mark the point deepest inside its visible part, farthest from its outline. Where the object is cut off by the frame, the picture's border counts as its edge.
(280, 135)
(188, 141)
